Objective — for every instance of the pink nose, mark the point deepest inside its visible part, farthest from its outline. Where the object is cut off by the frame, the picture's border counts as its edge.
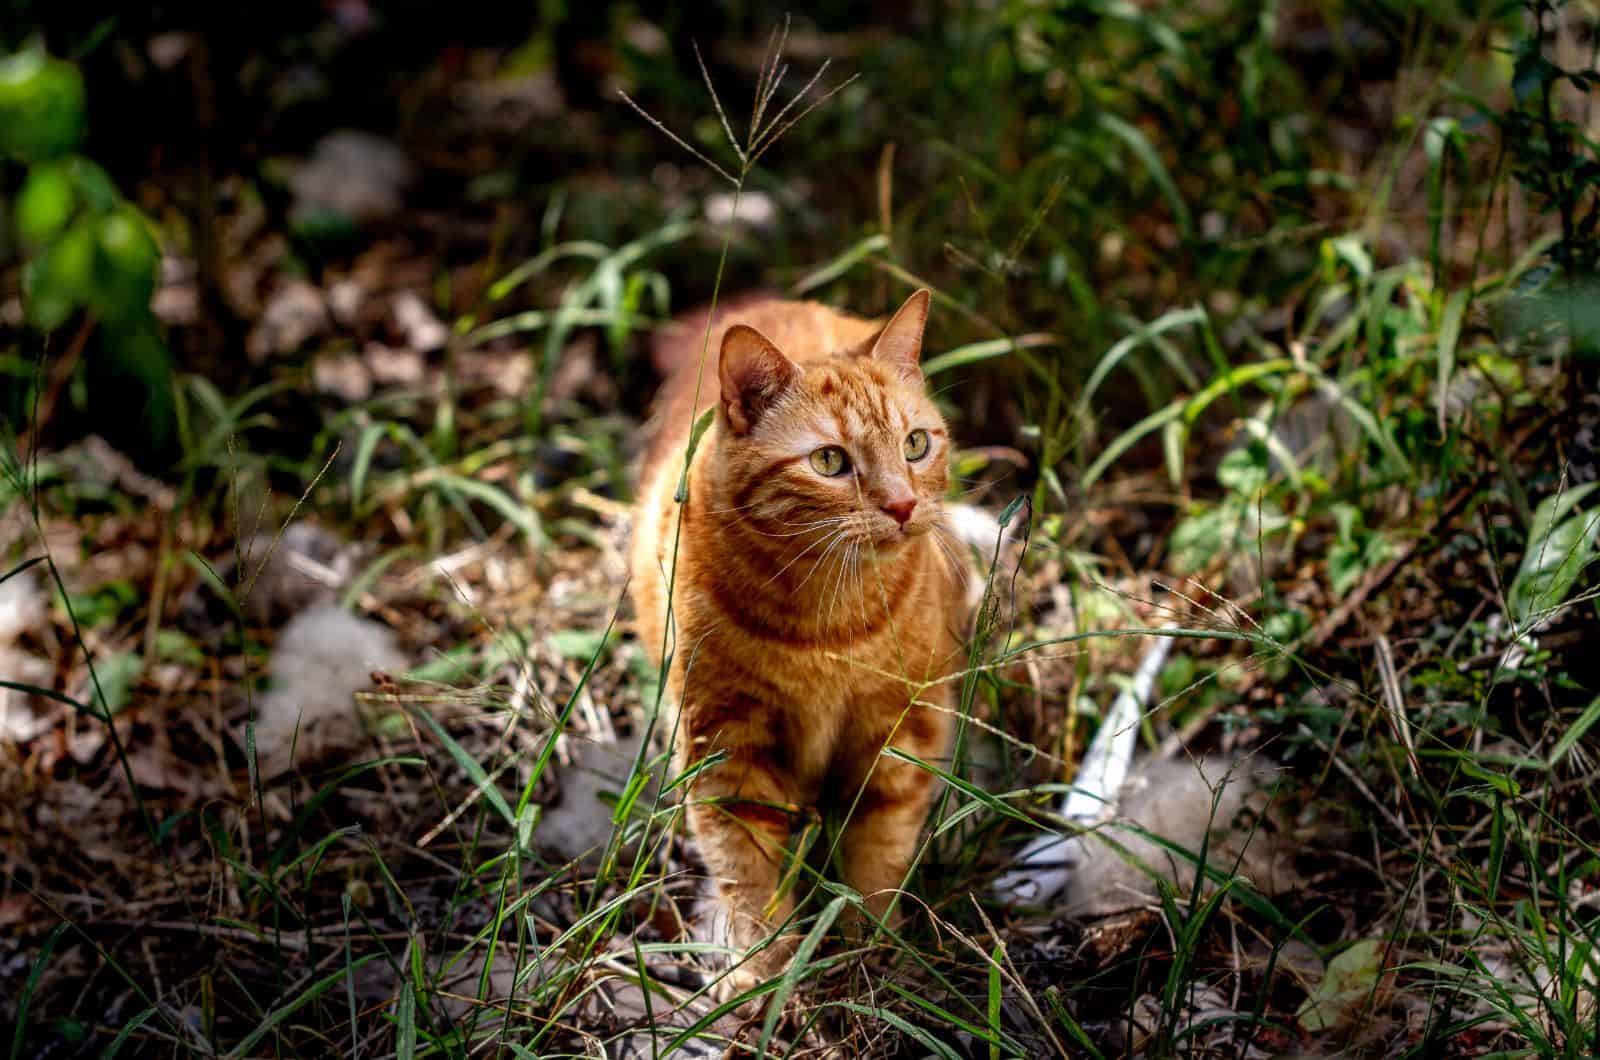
(901, 509)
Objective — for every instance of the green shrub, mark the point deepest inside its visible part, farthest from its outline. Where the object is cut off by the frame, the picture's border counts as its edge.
(88, 250)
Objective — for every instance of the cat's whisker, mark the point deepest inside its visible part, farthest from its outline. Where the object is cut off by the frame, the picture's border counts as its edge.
(867, 573)
(805, 528)
(833, 535)
(850, 578)
(814, 522)
(850, 583)
(833, 520)
(822, 559)
(838, 582)
(845, 563)
(830, 592)
(944, 538)
(735, 508)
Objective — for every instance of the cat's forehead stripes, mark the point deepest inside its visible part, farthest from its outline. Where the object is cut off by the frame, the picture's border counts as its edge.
(843, 401)
(859, 396)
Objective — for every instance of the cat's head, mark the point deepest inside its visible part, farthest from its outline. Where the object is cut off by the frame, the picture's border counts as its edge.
(849, 444)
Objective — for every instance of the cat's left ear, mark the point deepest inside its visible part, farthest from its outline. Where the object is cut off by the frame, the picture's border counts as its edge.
(754, 374)
(900, 342)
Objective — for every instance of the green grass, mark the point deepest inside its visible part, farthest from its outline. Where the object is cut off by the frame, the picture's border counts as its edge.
(1317, 404)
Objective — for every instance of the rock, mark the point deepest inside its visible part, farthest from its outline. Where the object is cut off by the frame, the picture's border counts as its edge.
(1172, 798)
(353, 174)
(578, 826)
(322, 658)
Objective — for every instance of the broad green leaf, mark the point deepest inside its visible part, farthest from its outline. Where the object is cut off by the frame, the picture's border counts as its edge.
(1244, 470)
(1561, 542)
(1348, 981)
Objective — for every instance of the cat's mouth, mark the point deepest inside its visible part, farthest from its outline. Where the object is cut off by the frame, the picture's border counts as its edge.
(894, 535)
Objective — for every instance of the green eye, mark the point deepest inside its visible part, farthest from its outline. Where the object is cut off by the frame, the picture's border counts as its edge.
(917, 444)
(830, 461)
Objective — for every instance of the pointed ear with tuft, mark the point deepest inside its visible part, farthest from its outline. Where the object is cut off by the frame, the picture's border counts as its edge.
(900, 342)
(754, 374)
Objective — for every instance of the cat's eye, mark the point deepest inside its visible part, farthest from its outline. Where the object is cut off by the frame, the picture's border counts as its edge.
(916, 444)
(830, 460)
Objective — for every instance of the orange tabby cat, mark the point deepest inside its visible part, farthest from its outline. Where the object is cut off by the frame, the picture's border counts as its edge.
(812, 599)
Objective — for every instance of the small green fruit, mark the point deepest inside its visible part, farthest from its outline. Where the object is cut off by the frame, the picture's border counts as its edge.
(125, 263)
(41, 106)
(94, 184)
(45, 203)
(61, 278)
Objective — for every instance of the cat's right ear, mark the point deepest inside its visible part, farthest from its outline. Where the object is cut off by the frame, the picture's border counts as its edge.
(900, 342)
(754, 373)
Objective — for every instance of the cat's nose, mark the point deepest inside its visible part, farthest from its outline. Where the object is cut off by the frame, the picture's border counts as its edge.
(901, 509)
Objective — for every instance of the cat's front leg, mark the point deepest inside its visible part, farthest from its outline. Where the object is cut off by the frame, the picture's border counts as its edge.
(741, 816)
(880, 837)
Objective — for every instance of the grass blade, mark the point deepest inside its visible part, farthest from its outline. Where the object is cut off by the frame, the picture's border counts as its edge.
(283, 1012)
(30, 985)
(1449, 335)
(797, 969)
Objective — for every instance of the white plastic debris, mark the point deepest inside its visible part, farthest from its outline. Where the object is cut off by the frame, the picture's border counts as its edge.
(1045, 866)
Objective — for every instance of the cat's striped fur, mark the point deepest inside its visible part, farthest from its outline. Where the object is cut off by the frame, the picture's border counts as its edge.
(809, 610)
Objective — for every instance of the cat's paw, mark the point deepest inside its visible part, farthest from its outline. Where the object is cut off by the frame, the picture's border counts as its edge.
(757, 968)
